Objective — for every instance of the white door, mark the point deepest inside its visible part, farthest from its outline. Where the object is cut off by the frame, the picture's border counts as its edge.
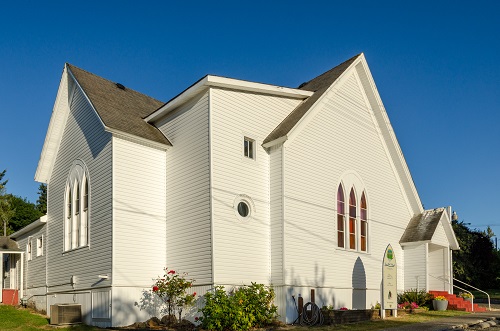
(13, 271)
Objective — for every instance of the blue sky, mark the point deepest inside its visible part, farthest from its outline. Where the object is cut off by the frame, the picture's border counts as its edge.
(435, 64)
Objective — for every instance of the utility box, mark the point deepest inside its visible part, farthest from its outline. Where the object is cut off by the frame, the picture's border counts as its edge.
(68, 313)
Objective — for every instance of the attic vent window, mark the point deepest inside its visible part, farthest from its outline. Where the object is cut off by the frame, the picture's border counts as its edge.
(120, 86)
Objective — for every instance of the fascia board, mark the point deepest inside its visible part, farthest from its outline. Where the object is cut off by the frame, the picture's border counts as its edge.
(414, 243)
(39, 222)
(280, 140)
(128, 136)
(54, 131)
(236, 84)
(388, 127)
(228, 83)
(448, 230)
(309, 115)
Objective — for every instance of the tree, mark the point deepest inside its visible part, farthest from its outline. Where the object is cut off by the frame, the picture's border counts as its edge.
(6, 211)
(477, 260)
(25, 212)
(41, 203)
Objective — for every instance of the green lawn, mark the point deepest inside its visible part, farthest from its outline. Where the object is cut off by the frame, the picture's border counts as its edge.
(12, 318)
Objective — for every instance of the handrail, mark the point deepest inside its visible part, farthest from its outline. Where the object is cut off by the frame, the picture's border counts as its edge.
(489, 306)
(446, 280)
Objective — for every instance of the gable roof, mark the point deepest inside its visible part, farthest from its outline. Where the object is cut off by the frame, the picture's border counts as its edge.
(422, 227)
(121, 109)
(318, 85)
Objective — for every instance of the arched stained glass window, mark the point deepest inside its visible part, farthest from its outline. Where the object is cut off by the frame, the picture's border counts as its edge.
(352, 219)
(340, 217)
(364, 224)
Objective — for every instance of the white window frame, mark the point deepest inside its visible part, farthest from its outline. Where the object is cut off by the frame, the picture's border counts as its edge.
(39, 246)
(29, 250)
(249, 148)
(77, 208)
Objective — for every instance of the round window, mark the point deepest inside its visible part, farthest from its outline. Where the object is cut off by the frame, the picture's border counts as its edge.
(243, 209)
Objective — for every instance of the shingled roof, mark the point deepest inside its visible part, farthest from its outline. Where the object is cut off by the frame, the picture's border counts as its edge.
(119, 107)
(318, 85)
(7, 244)
(422, 226)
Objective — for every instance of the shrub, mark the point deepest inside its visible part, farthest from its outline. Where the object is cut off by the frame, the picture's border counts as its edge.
(172, 289)
(240, 309)
(421, 298)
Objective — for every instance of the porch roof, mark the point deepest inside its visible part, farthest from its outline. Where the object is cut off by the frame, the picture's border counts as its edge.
(8, 245)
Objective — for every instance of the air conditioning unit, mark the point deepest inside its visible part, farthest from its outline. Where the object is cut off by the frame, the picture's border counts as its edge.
(68, 313)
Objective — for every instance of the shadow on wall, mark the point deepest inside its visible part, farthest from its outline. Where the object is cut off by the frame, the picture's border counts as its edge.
(358, 285)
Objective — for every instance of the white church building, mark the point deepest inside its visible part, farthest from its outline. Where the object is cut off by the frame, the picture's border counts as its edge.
(232, 182)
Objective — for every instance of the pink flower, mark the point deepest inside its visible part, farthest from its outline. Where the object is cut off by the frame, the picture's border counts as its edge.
(155, 289)
(171, 272)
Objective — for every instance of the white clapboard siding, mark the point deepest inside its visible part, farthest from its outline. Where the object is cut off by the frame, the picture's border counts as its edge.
(139, 220)
(242, 247)
(84, 139)
(438, 267)
(189, 246)
(341, 138)
(34, 276)
(276, 215)
(415, 267)
(439, 237)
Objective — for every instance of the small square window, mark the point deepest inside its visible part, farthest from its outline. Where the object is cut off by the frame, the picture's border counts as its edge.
(249, 148)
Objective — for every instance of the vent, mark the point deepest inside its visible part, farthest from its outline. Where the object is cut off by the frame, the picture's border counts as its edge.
(120, 86)
(65, 314)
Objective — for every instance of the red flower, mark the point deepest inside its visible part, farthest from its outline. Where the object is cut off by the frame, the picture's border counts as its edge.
(194, 294)
(171, 272)
(155, 288)
(196, 318)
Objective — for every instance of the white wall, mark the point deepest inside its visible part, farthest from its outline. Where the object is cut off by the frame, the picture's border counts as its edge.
(189, 245)
(438, 268)
(139, 219)
(242, 247)
(415, 267)
(340, 140)
(84, 139)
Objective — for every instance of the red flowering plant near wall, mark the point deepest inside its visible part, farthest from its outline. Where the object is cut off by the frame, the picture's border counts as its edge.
(172, 289)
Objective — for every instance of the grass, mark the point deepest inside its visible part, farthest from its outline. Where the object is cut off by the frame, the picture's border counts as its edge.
(16, 319)
(19, 319)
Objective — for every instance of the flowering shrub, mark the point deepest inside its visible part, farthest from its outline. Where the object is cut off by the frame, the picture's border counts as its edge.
(465, 295)
(172, 289)
(240, 309)
(408, 305)
(421, 298)
(440, 298)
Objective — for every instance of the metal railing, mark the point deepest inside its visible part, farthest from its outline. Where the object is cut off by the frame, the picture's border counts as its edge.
(489, 305)
(471, 295)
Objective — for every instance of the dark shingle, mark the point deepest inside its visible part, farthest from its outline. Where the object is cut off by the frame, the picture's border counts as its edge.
(318, 85)
(422, 226)
(7, 244)
(119, 107)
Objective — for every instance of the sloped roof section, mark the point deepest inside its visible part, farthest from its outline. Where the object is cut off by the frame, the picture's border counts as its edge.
(119, 107)
(318, 85)
(7, 244)
(422, 226)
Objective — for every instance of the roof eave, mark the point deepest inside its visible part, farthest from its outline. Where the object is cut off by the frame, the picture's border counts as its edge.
(228, 83)
(39, 222)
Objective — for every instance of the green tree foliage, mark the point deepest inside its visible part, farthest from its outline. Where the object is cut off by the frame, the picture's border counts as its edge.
(41, 203)
(25, 213)
(6, 211)
(477, 262)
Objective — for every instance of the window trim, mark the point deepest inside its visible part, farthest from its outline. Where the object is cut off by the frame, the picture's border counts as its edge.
(77, 208)
(249, 148)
